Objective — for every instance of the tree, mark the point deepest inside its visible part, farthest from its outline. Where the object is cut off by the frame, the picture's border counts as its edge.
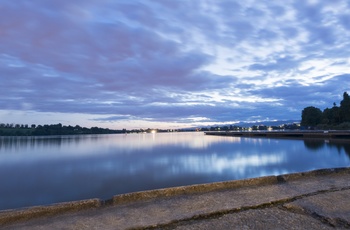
(331, 116)
(311, 116)
(345, 108)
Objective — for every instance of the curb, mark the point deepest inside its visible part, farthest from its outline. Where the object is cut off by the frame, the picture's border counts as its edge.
(15, 215)
(202, 188)
(191, 189)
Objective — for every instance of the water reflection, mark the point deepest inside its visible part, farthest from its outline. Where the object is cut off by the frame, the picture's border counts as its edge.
(219, 164)
(315, 144)
(26, 144)
(43, 170)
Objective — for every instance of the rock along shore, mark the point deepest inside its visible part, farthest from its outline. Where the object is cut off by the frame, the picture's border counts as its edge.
(312, 200)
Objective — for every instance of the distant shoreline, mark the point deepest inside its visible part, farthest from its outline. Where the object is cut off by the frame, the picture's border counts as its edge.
(59, 129)
(301, 134)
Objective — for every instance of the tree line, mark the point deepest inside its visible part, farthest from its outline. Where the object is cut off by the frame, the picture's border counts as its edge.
(337, 117)
(55, 129)
(59, 129)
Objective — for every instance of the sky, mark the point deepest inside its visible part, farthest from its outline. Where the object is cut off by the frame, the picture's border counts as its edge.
(170, 63)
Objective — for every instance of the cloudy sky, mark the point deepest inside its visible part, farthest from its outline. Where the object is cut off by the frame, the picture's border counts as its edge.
(170, 63)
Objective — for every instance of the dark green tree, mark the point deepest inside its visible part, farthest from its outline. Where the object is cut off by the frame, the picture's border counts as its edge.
(311, 116)
(331, 116)
(345, 108)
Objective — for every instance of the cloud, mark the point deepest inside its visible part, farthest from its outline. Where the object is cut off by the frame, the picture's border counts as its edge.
(345, 21)
(279, 64)
(321, 94)
(173, 61)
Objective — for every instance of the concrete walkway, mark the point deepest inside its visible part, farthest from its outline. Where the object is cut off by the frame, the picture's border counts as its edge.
(313, 200)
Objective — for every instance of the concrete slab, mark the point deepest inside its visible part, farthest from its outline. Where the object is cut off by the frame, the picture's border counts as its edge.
(333, 207)
(267, 218)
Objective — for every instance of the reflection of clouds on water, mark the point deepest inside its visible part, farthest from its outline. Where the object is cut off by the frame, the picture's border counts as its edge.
(218, 164)
(80, 167)
(193, 140)
(79, 145)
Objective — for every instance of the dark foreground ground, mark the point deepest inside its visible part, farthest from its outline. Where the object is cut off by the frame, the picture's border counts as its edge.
(313, 200)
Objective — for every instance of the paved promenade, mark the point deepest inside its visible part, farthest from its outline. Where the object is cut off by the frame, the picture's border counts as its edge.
(313, 200)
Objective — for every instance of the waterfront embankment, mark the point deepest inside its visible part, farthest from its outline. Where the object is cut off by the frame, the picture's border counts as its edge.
(335, 134)
(312, 200)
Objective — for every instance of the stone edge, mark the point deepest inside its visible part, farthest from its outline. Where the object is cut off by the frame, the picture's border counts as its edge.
(210, 187)
(23, 214)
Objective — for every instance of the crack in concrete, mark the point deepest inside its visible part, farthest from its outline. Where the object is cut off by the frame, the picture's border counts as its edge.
(338, 222)
(332, 222)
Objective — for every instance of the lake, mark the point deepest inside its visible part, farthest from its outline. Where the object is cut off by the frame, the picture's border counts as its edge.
(51, 169)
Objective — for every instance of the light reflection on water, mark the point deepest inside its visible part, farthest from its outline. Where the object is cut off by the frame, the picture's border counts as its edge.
(44, 170)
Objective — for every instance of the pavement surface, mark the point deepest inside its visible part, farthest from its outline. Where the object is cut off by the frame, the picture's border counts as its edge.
(313, 200)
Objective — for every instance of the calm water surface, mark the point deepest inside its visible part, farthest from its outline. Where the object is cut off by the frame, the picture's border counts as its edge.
(45, 170)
